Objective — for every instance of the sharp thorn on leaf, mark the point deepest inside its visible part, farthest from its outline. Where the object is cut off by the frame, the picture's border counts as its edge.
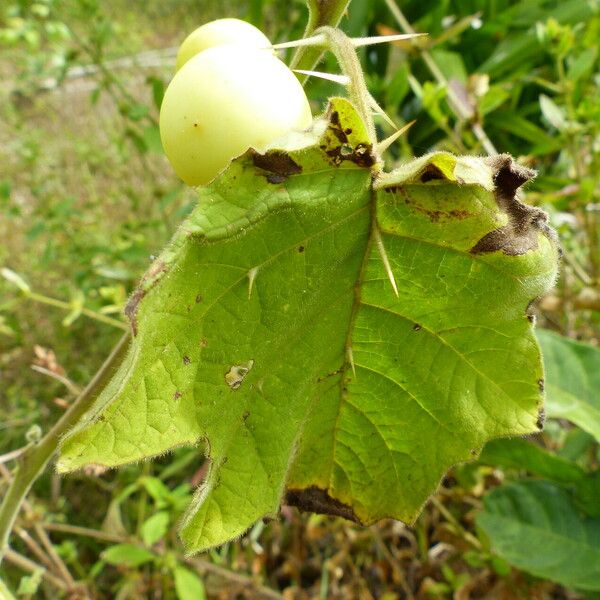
(351, 360)
(385, 260)
(315, 40)
(321, 40)
(341, 79)
(383, 39)
(385, 144)
(251, 277)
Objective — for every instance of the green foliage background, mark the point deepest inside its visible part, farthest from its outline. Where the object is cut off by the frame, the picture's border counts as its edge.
(86, 199)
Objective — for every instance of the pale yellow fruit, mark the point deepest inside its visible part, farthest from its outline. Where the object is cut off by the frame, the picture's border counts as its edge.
(216, 33)
(222, 102)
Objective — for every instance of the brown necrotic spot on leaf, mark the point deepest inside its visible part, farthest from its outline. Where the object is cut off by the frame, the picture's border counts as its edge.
(149, 280)
(525, 222)
(541, 419)
(279, 165)
(317, 500)
(132, 306)
(430, 173)
(434, 215)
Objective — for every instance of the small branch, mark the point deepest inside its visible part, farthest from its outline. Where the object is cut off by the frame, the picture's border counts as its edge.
(4, 458)
(20, 561)
(85, 532)
(244, 581)
(84, 311)
(74, 389)
(61, 567)
(34, 547)
(345, 53)
(33, 462)
(467, 536)
(201, 565)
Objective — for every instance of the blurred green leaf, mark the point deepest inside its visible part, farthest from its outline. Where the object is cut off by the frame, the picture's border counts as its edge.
(158, 90)
(535, 526)
(127, 555)
(553, 113)
(29, 584)
(188, 585)
(492, 99)
(583, 63)
(450, 63)
(517, 52)
(157, 489)
(572, 381)
(155, 527)
(398, 86)
(151, 137)
(526, 456)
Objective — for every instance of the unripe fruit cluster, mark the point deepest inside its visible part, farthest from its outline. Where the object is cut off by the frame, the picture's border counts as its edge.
(230, 93)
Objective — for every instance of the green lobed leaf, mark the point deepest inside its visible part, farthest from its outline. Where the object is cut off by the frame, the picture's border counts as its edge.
(535, 526)
(573, 381)
(335, 337)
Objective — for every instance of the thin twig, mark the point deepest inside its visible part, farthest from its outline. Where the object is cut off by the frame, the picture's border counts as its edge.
(244, 581)
(20, 561)
(84, 311)
(56, 559)
(469, 537)
(74, 389)
(34, 547)
(86, 532)
(4, 458)
(201, 565)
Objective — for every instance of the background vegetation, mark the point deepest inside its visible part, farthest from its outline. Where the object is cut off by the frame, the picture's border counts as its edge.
(87, 198)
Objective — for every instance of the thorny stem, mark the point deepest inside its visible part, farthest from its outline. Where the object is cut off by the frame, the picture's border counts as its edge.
(454, 101)
(321, 13)
(33, 462)
(345, 53)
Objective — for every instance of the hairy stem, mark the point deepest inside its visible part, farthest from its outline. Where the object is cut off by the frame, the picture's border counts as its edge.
(347, 58)
(32, 462)
(321, 13)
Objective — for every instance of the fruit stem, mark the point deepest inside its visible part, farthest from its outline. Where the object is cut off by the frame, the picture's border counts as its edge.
(320, 13)
(343, 49)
